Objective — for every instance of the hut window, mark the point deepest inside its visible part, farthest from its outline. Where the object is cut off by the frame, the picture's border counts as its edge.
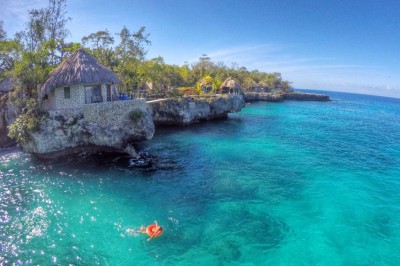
(67, 92)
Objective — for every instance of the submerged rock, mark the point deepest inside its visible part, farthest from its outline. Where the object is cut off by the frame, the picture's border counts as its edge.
(143, 160)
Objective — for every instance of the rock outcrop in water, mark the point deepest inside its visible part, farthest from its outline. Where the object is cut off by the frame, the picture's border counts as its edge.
(262, 96)
(189, 110)
(279, 97)
(101, 127)
(302, 96)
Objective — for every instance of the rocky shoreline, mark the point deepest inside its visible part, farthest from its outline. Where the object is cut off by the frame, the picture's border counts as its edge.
(116, 127)
(83, 131)
(280, 97)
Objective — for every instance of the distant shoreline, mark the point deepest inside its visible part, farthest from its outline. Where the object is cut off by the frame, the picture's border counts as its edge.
(280, 97)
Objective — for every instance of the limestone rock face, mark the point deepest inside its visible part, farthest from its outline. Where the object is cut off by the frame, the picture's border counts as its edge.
(7, 117)
(188, 110)
(63, 133)
(262, 96)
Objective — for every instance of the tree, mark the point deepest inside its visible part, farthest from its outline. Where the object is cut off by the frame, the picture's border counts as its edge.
(3, 34)
(204, 67)
(32, 69)
(100, 44)
(100, 39)
(57, 19)
(44, 25)
(132, 44)
(129, 54)
(10, 52)
(70, 48)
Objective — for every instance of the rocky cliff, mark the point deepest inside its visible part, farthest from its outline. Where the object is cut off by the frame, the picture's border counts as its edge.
(262, 96)
(7, 117)
(188, 110)
(98, 127)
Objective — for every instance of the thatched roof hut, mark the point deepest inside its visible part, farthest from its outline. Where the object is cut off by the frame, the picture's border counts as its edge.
(79, 68)
(232, 85)
(6, 85)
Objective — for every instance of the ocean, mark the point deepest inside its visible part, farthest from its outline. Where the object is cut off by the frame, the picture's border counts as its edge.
(292, 183)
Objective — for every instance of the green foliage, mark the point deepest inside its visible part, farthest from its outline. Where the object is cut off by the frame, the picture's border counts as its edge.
(136, 115)
(22, 125)
(70, 48)
(45, 25)
(100, 44)
(33, 69)
(26, 122)
(132, 44)
(3, 34)
(127, 59)
(175, 93)
(10, 52)
(198, 88)
(187, 90)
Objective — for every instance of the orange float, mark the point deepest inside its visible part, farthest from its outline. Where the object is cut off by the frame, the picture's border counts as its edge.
(154, 230)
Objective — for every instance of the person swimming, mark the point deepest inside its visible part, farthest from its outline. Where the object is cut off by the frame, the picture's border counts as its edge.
(152, 230)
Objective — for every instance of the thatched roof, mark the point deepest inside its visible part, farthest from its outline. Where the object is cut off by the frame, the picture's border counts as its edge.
(230, 83)
(6, 85)
(79, 68)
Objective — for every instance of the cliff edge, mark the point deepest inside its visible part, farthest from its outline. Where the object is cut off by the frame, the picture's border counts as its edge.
(111, 126)
(186, 111)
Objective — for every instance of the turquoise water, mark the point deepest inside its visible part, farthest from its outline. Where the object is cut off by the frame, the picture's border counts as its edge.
(294, 183)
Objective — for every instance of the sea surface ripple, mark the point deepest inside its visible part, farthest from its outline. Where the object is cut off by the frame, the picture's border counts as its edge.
(293, 183)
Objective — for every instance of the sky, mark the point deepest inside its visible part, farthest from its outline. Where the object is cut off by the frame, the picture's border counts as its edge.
(337, 45)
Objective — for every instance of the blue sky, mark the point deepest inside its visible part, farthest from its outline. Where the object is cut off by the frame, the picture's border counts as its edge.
(348, 45)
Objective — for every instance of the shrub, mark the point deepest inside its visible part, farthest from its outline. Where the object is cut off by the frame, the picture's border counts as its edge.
(22, 125)
(174, 93)
(136, 115)
(28, 120)
(187, 90)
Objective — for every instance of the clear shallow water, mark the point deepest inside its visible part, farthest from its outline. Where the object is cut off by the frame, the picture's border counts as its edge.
(294, 183)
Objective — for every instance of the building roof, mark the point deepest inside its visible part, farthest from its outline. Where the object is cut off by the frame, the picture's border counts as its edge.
(230, 83)
(80, 68)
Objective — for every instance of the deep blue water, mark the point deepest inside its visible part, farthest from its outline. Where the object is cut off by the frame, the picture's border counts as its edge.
(293, 183)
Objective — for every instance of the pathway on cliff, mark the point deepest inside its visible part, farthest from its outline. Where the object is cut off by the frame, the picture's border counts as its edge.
(158, 100)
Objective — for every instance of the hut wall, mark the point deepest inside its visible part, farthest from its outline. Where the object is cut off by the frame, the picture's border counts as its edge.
(50, 103)
(112, 113)
(76, 100)
(104, 92)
